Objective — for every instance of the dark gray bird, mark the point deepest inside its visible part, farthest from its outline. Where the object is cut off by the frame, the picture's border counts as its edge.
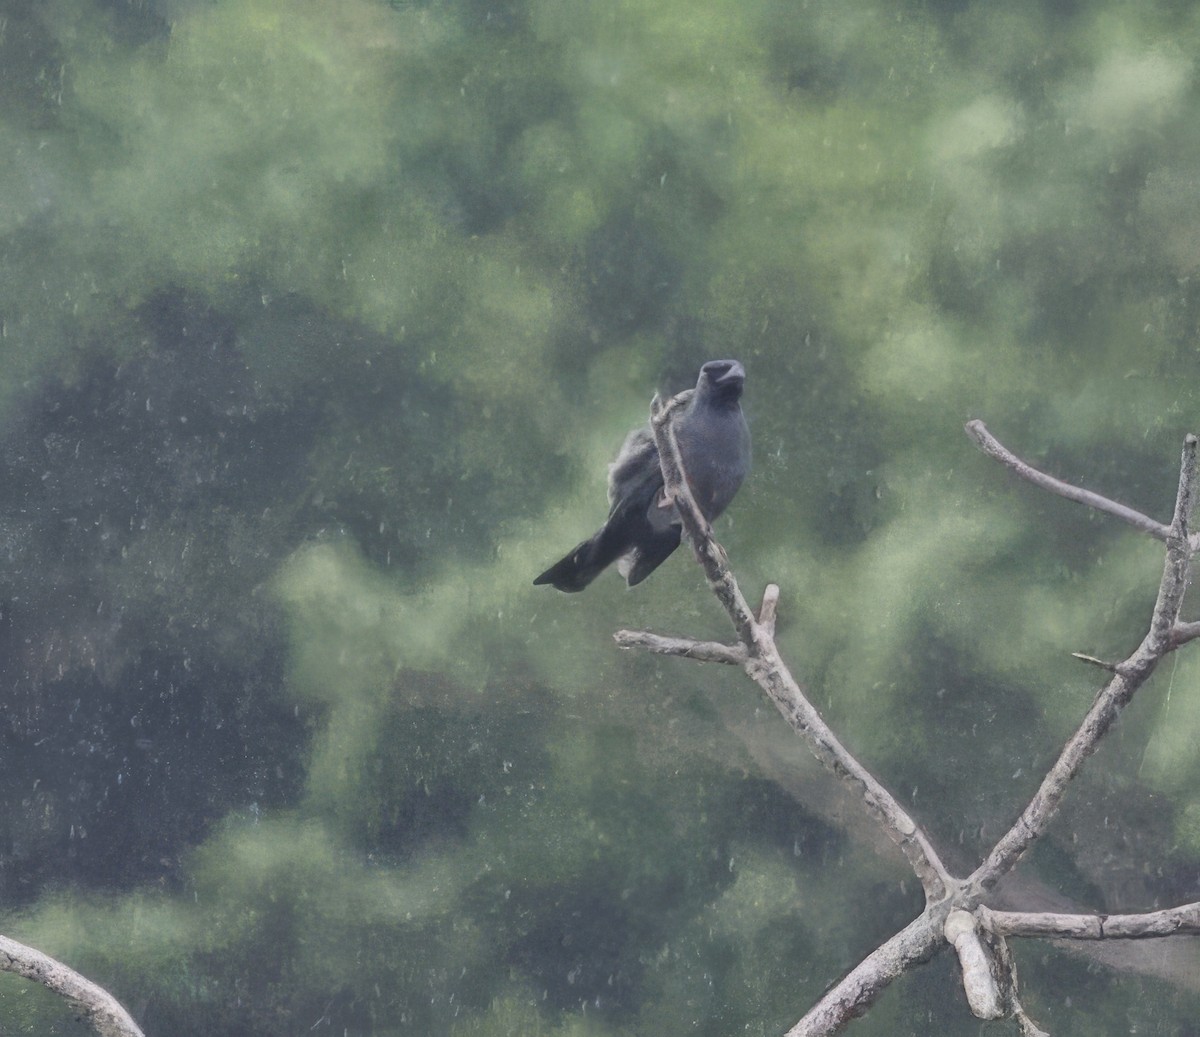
(643, 527)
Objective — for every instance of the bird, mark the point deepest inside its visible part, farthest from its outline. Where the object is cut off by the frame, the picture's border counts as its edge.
(643, 528)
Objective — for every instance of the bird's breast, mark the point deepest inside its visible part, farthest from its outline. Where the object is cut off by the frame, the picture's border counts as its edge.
(716, 456)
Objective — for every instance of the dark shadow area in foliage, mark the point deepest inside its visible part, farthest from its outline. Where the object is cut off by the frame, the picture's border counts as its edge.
(1110, 866)
(115, 782)
(495, 16)
(802, 67)
(407, 977)
(628, 277)
(1047, 971)
(386, 467)
(948, 11)
(595, 940)
(143, 676)
(585, 941)
(831, 477)
(590, 940)
(398, 491)
(475, 184)
(31, 68)
(168, 438)
(261, 999)
(1181, 880)
(439, 758)
(962, 710)
(759, 809)
(1058, 866)
(136, 23)
(147, 501)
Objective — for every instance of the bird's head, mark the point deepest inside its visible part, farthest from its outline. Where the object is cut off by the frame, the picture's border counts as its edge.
(722, 380)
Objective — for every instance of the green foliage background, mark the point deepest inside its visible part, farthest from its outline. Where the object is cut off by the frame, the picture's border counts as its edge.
(318, 324)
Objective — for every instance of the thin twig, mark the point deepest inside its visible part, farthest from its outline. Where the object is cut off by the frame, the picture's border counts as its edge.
(986, 442)
(1093, 661)
(702, 651)
(767, 611)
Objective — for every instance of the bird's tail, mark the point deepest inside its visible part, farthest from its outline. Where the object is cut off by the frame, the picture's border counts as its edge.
(579, 567)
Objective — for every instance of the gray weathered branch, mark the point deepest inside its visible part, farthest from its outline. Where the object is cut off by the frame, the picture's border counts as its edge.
(95, 1004)
(986, 442)
(853, 993)
(1175, 921)
(977, 933)
(983, 993)
(1127, 678)
(762, 662)
(701, 651)
(766, 667)
(1183, 633)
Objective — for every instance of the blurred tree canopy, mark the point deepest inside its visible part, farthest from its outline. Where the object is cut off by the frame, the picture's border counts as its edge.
(318, 324)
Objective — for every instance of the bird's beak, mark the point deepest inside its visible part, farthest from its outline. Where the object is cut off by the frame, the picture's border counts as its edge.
(736, 373)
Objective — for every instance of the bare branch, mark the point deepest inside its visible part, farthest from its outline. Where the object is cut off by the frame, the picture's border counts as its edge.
(1127, 678)
(1179, 553)
(1007, 969)
(1182, 633)
(702, 651)
(769, 671)
(97, 1005)
(771, 674)
(767, 610)
(1185, 498)
(995, 449)
(1028, 1027)
(1092, 660)
(979, 937)
(854, 993)
(1176, 921)
(983, 995)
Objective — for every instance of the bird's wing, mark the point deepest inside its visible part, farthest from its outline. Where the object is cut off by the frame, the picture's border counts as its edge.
(635, 466)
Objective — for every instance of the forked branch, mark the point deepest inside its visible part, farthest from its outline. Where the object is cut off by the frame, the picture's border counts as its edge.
(954, 913)
(1128, 676)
